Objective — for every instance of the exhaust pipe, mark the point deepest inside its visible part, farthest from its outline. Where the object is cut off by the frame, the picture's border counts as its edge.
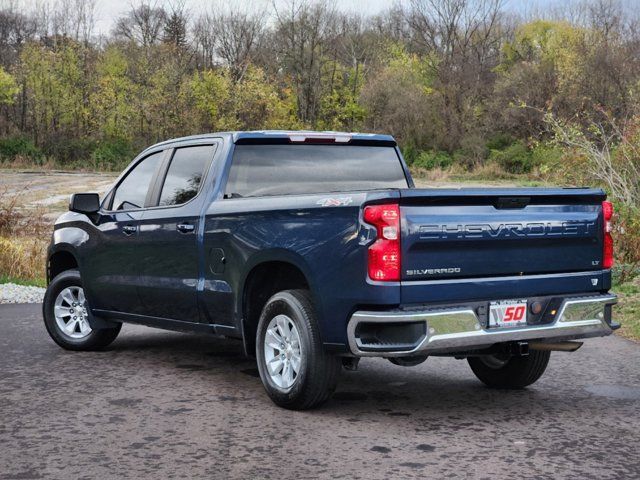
(556, 347)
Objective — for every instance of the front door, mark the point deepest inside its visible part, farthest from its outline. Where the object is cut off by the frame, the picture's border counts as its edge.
(112, 272)
(169, 237)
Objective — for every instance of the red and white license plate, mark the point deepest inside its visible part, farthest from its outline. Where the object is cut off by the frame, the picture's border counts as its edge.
(508, 313)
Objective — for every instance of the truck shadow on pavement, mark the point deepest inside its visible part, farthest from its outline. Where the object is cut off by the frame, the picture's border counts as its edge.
(440, 386)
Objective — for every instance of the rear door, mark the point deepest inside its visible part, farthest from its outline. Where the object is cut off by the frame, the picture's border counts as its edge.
(483, 233)
(168, 236)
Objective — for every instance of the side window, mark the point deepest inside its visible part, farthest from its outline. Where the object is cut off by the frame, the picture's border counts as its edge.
(185, 174)
(132, 191)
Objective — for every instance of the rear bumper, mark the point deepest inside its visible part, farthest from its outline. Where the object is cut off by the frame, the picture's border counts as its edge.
(459, 329)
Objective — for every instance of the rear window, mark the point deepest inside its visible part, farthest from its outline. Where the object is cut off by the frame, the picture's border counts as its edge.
(261, 170)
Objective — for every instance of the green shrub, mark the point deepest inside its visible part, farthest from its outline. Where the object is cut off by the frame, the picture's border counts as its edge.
(472, 152)
(546, 155)
(433, 159)
(409, 153)
(466, 159)
(516, 158)
(13, 147)
(70, 151)
(626, 237)
(112, 155)
(500, 141)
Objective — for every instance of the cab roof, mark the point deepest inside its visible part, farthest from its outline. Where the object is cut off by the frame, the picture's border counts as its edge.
(303, 136)
(290, 136)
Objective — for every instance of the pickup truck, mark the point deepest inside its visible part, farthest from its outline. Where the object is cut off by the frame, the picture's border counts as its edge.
(315, 249)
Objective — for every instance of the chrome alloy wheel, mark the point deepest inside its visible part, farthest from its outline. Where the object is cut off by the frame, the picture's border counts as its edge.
(70, 311)
(282, 351)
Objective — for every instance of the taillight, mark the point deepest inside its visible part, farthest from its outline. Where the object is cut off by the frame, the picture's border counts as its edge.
(384, 253)
(607, 254)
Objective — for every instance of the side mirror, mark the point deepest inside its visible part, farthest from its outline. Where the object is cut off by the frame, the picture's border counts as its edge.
(86, 203)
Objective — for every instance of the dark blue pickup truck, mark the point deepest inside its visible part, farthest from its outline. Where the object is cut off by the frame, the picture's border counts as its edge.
(315, 249)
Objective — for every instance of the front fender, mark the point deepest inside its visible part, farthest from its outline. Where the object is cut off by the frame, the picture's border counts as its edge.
(71, 230)
(69, 240)
(70, 236)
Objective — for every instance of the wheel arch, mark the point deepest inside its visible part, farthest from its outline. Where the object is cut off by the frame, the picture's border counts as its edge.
(63, 252)
(268, 274)
(60, 260)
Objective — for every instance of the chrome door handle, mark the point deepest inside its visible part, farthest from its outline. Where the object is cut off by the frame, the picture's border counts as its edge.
(129, 229)
(185, 227)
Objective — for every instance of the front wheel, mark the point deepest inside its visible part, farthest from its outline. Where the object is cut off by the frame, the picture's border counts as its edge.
(510, 372)
(66, 315)
(296, 371)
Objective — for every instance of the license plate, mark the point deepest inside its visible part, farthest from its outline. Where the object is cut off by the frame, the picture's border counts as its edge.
(508, 313)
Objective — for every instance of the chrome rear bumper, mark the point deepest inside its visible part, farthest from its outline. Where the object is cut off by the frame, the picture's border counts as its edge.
(458, 330)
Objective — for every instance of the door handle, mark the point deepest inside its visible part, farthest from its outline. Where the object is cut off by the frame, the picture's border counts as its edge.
(185, 227)
(129, 229)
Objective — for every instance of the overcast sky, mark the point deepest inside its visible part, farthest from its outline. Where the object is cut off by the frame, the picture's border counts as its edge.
(107, 11)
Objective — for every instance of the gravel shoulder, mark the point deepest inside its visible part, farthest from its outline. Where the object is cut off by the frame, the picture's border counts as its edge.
(13, 293)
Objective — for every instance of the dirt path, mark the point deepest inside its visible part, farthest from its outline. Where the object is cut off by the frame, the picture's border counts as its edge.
(50, 190)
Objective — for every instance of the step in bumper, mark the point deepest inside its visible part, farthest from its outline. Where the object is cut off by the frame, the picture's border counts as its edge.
(459, 329)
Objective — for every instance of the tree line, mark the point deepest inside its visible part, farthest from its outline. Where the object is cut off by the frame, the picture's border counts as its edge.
(461, 82)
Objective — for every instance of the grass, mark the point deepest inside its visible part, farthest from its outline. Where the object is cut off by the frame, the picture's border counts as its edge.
(490, 174)
(627, 312)
(29, 282)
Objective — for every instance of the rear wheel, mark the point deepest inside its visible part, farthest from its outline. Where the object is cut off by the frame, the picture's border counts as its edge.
(66, 315)
(408, 361)
(498, 371)
(296, 371)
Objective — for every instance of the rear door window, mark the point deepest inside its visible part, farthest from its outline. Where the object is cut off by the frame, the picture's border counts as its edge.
(261, 170)
(185, 173)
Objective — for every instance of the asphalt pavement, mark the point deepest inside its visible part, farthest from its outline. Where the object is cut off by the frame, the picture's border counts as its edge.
(169, 405)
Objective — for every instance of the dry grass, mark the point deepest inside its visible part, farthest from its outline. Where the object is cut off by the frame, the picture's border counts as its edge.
(22, 258)
(23, 239)
(489, 174)
(22, 163)
(431, 175)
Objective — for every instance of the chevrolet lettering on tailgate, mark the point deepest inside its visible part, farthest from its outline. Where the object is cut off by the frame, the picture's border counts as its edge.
(502, 230)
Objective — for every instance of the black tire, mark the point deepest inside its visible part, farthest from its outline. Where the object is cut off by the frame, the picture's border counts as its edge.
(408, 361)
(95, 340)
(319, 371)
(514, 373)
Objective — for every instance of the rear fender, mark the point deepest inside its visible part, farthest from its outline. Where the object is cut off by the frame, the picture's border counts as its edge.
(276, 255)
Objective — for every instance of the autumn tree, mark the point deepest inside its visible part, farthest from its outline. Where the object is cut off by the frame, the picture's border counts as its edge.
(301, 38)
(461, 41)
(468, 80)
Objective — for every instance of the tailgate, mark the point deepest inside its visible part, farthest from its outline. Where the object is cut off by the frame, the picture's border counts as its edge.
(499, 232)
